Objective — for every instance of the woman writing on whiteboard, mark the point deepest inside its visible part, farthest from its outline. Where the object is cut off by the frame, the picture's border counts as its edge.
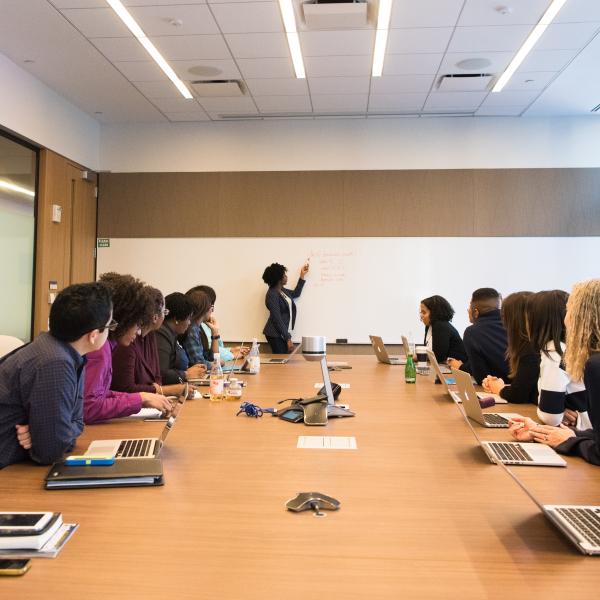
(282, 308)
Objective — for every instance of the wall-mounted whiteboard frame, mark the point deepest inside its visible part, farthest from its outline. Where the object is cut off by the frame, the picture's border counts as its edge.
(356, 286)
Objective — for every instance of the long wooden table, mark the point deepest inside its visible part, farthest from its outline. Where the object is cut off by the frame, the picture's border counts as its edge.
(424, 514)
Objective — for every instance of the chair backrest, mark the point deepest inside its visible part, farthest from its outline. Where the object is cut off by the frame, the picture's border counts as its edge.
(8, 343)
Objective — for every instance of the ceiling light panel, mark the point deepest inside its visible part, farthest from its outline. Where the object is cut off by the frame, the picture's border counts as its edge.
(289, 23)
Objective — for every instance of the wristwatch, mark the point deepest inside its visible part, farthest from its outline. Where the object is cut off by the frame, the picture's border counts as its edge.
(216, 337)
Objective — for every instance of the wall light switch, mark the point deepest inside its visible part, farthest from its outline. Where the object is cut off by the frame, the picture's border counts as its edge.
(56, 213)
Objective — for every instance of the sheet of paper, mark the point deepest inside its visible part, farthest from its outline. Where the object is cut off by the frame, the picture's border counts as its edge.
(319, 385)
(327, 442)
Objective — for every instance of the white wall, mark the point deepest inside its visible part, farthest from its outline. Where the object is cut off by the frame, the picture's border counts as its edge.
(349, 144)
(33, 110)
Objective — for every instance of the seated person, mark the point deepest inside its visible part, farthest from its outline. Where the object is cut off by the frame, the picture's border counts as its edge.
(172, 358)
(523, 360)
(440, 336)
(226, 354)
(195, 341)
(130, 308)
(41, 383)
(136, 367)
(484, 340)
(582, 361)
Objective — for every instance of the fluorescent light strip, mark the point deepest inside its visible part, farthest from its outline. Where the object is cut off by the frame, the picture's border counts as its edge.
(289, 22)
(16, 188)
(529, 43)
(132, 25)
(381, 36)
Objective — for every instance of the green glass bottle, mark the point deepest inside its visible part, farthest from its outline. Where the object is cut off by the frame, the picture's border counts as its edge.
(410, 372)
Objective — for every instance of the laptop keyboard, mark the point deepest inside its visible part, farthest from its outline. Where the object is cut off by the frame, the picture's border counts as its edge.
(134, 448)
(585, 520)
(493, 419)
(510, 452)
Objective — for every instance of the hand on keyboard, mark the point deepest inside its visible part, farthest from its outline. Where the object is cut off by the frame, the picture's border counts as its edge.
(520, 428)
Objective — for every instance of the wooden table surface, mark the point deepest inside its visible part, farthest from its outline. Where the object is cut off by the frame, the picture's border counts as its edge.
(424, 513)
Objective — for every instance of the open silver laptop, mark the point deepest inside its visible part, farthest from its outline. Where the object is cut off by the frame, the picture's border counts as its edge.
(138, 447)
(405, 345)
(579, 523)
(382, 354)
(470, 402)
(449, 381)
(280, 361)
(517, 453)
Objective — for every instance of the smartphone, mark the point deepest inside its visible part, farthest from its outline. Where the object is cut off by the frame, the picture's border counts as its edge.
(23, 522)
(14, 567)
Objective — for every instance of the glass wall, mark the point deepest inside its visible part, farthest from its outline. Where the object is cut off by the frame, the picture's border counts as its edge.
(18, 169)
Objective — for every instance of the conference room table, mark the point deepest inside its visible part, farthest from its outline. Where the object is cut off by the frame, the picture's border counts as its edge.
(424, 513)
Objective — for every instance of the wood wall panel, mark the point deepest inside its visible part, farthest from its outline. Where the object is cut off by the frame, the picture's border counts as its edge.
(494, 202)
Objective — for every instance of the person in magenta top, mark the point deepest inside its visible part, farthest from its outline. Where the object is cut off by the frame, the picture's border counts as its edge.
(131, 309)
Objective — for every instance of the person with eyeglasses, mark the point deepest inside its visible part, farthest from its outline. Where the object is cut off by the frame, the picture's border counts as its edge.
(136, 367)
(174, 362)
(41, 383)
(131, 308)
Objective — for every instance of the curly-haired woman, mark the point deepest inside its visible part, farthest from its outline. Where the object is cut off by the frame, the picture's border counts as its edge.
(282, 308)
(131, 309)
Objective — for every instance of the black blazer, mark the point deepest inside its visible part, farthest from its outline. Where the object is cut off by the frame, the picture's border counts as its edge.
(446, 341)
(279, 313)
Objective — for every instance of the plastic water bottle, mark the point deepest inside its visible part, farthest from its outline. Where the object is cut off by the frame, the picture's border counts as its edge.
(410, 373)
(217, 380)
(254, 358)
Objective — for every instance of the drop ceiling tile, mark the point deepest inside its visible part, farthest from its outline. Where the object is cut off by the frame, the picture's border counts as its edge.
(102, 3)
(424, 39)
(201, 69)
(97, 22)
(251, 17)
(277, 87)
(140, 71)
(426, 13)
(184, 47)
(180, 104)
(499, 111)
(511, 98)
(489, 39)
(158, 89)
(258, 45)
(221, 105)
(270, 104)
(198, 115)
(339, 85)
(523, 80)
(398, 84)
(579, 11)
(460, 101)
(121, 48)
(411, 64)
(498, 62)
(337, 43)
(547, 60)
(157, 20)
(340, 102)
(78, 3)
(160, 2)
(333, 66)
(396, 102)
(483, 12)
(265, 68)
(567, 36)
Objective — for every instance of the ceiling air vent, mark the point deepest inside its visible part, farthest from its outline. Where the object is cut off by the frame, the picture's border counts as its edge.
(596, 109)
(222, 88)
(335, 14)
(465, 82)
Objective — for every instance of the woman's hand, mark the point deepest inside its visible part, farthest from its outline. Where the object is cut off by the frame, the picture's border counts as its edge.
(290, 345)
(239, 352)
(23, 436)
(156, 401)
(551, 436)
(493, 385)
(213, 324)
(304, 270)
(570, 417)
(454, 363)
(196, 371)
(521, 428)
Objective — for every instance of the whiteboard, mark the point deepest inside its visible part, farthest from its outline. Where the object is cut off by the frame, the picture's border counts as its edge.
(356, 286)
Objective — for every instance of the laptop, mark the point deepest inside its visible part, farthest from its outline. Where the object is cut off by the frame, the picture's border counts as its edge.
(517, 453)
(470, 402)
(382, 354)
(127, 449)
(447, 382)
(280, 361)
(579, 523)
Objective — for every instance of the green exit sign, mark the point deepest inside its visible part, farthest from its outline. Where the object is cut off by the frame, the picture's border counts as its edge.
(103, 242)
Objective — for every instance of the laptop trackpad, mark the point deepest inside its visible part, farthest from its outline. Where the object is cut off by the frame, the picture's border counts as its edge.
(108, 448)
